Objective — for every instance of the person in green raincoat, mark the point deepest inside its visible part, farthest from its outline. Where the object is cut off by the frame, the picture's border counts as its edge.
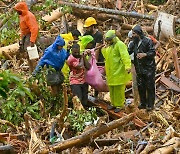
(117, 66)
(86, 42)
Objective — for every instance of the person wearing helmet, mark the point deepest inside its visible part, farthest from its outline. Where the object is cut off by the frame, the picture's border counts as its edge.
(118, 67)
(90, 26)
(144, 62)
(28, 28)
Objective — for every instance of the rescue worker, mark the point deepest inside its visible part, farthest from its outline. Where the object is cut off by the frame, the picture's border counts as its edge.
(130, 45)
(117, 66)
(144, 61)
(78, 65)
(28, 28)
(86, 42)
(54, 56)
(90, 26)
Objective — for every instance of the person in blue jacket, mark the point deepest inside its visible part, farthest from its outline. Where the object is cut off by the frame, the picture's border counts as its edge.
(54, 58)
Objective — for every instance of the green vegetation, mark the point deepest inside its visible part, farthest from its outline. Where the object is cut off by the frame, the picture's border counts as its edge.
(45, 93)
(78, 118)
(15, 98)
(9, 33)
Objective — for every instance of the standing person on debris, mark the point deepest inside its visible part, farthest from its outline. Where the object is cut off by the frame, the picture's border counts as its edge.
(29, 29)
(90, 26)
(117, 66)
(144, 61)
(70, 37)
(78, 64)
(54, 56)
(90, 29)
(130, 45)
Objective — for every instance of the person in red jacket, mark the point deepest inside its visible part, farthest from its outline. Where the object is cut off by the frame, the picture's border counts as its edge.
(28, 28)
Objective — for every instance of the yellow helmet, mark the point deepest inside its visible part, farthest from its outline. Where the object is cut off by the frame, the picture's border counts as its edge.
(90, 21)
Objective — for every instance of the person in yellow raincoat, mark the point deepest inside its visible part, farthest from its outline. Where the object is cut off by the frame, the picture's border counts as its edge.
(69, 38)
(117, 66)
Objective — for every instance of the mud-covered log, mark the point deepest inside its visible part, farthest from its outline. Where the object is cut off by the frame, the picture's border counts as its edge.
(13, 48)
(87, 136)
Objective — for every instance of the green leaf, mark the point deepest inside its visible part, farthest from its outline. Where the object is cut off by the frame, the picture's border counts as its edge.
(3, 93)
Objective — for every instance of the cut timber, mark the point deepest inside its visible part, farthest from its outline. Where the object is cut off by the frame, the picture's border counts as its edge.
(114, 115)
(169, 84)
(111, 11)
(13, 48)
(167, 24)
(169, 146)
(87, 136)
(56, 14)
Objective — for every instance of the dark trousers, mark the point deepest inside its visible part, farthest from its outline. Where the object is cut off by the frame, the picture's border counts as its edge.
(146, 88)
(23, 49)
(81, 91)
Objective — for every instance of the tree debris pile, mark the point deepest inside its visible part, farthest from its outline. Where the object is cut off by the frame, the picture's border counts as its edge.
(95, 131)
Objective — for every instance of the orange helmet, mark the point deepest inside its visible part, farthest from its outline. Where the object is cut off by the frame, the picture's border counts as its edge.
(90, 21)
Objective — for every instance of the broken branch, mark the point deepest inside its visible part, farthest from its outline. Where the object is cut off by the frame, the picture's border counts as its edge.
(87, 136)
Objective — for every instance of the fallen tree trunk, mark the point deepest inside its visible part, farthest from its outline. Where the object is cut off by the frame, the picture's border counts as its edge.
(112, 11)
(99, 16)
(10, 48)
(87, 136)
